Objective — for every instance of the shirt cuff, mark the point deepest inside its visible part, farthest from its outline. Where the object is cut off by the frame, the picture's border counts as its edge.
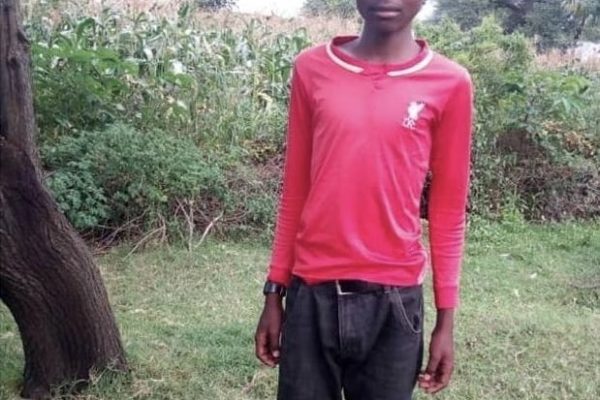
(282, 276)
(446, 297)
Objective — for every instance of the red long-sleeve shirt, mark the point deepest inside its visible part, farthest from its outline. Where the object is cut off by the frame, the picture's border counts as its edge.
(361, 138)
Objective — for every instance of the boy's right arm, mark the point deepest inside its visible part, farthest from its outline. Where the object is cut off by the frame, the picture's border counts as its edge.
(296, 184)
(296, 181)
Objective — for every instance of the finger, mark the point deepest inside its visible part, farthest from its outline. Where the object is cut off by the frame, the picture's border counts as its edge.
(261, 346)
(432, 366)
(274, 344)
(431, 372)
(444, 374)
(262, 350)
(424, 386)
(433, 388)
(424, 381)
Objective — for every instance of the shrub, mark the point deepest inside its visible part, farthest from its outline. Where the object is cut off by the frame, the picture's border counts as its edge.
(117, 175)
(535, 137)
(254, 183)
(122, 179)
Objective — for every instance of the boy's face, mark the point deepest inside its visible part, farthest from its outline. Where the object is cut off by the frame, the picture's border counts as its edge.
(388, 16)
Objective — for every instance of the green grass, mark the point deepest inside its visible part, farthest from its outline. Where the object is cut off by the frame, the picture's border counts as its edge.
(527, 328)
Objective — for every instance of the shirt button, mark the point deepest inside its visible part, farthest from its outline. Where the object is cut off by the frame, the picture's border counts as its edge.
(378, 82)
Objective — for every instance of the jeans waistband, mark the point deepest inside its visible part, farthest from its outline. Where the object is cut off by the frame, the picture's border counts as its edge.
(352, 286)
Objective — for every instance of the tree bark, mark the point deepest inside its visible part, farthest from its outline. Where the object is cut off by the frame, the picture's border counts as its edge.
(48, 278)
(580, 28)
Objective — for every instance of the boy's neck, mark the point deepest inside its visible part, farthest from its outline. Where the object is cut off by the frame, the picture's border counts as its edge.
(384, 47)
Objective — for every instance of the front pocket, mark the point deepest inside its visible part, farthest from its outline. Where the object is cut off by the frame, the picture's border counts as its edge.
(408, 310)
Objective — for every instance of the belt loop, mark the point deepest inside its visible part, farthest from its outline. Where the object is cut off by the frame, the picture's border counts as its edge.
(339, 290)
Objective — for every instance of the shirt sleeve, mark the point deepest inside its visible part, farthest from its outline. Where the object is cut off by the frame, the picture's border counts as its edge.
(450, 168)
(296, 181)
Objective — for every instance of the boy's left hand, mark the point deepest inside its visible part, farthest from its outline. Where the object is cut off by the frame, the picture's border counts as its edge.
(441, 362)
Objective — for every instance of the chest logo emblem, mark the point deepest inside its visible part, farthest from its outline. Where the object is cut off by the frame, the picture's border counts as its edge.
(412, 116)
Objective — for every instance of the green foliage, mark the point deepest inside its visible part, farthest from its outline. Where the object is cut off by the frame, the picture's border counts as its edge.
(340, 8)
(209, 102)
(552, 23)
(117, 175)
(219, 85)
(216, 89)
(467, 13)
(89, 73)
(586, 13)
(535, 143)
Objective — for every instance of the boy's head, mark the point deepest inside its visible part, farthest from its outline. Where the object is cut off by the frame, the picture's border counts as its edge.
(388, 16)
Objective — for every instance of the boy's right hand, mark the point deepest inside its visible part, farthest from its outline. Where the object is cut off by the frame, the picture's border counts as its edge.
(268, 333)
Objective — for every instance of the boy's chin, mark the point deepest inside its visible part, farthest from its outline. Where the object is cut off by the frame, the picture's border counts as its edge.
(388, 27)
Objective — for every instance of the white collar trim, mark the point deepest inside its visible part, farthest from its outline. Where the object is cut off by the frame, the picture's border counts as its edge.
(342, 63)
(415, 68)
(357, 70)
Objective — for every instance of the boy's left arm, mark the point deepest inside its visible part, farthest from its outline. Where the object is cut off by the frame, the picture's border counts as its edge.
(450, 169)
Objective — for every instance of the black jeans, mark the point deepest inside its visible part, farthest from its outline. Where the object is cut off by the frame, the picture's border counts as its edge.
(368, 345)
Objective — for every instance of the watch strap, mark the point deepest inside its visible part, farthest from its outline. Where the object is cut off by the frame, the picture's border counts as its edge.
(273, 287)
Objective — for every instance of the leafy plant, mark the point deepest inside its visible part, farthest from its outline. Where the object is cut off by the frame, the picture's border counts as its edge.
(551, 23)
(117, 175)
(532, 125)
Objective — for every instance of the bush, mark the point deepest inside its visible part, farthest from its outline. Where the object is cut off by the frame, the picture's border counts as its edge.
(535, 141)
(254, 182)
(131, 181)
(117, 175)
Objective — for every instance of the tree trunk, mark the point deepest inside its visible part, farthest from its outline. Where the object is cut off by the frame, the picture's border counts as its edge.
(48, 278)
(580, 28)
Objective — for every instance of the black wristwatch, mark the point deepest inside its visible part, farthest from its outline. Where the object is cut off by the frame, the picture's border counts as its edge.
(272, 287)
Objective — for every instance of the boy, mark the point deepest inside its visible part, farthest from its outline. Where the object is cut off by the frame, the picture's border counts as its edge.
(369, 117)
